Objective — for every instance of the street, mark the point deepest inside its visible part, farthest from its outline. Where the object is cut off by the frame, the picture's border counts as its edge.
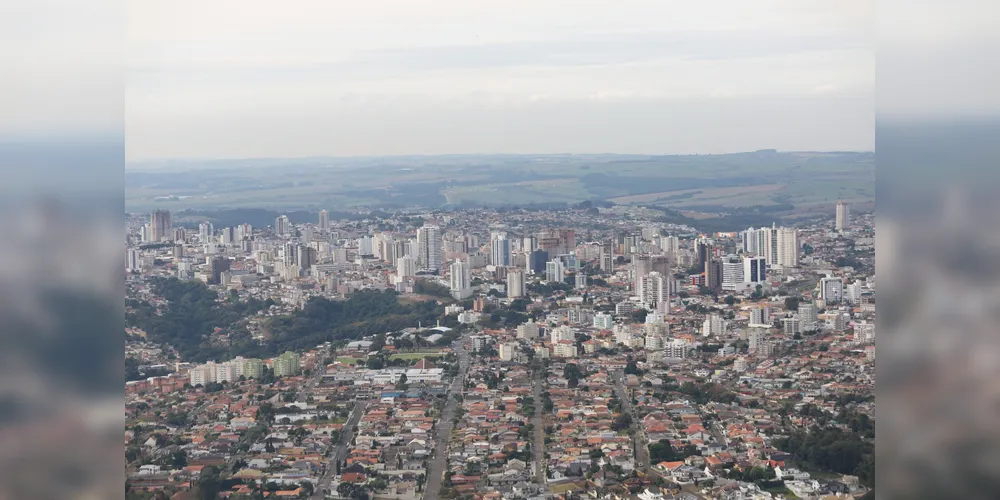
(538, 446)
(442, 434)
(346, 436)
(638, 436)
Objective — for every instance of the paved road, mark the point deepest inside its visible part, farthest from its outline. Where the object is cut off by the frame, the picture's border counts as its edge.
(442, 434)
(638, 436)
(340, 453)
(538, 446)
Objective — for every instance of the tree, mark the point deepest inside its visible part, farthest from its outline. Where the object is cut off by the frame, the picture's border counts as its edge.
(792, 303)
(401, 384)
(662, 451)
(621, 422)
(730, 300)
(179, 459)
(208, 485)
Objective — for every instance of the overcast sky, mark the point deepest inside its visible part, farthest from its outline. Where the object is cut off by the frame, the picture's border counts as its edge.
(258, 78)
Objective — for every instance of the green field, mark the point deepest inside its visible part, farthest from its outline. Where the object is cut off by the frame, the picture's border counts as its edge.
(740, 179)
(415, 355)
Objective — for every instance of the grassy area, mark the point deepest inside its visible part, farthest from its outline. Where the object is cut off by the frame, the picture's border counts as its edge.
(347, 359)
(565, 487)
(780, 490)
(415, 355)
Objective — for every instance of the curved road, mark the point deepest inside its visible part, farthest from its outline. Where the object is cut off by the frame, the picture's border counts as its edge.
(436, 466)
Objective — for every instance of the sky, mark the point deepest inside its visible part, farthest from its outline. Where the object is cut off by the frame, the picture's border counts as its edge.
(257, 78)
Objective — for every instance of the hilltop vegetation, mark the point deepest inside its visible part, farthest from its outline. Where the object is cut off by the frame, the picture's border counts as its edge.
(365, 312)
(193, 312)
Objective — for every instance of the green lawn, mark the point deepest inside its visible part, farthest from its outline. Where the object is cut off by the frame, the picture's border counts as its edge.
(780, 490)
(347, 359)
(415, 355)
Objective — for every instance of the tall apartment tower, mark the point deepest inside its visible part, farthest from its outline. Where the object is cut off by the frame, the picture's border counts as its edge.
(653, 288)
(515, 283)
(843, 216)
(713, 274)
(406, 267)
(555, 271)
(499, 249)
(607, 256)
(160, 225)
(282, 226)
(460, 280)
(787, 247)
(429, 252)
(324, 220)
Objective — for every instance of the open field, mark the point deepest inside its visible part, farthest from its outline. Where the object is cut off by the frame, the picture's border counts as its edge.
(415, 355)
(698, 195)
(742, 179)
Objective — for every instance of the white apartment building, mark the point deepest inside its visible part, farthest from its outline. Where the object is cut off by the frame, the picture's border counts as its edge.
(527, 331)
(564, 349)
(831, 290)
(460, 280)
(562, 333)
(760, 316)
(515, 283)
(604, 321)
(714, 324)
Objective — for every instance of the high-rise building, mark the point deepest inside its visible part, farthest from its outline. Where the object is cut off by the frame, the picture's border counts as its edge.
(787, 240)
(704, 251)
(770, 237)
(808, 316)
(580, 281)
(831, 290)
(429, 254)
(507, 351)
(527, 331)
(529, 244)
(282, 226)
(607, 256)
(756, 338)
(305, 256)
(515, 283)
(714, 324)
(755, 242)
(227, 235)
(205, 231)
(536, 261)
(324, 220)
(499, 249)
(406, 267)
(754, 270)
(760, 316)
(653, 289)
(286, 365)
(604, 321)
(713, 274)
(670, 244)
(555, 271)
(459, 279)
(160, 225)
(843, 216)
(732, 275)
(132, 262)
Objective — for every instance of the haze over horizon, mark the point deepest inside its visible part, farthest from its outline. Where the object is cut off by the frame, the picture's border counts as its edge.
(256, 79)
